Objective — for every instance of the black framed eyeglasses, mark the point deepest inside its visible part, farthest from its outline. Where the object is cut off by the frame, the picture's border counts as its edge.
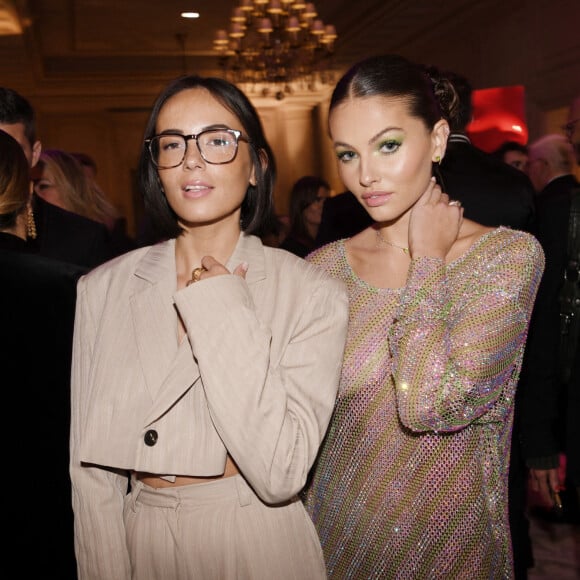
(216, 146)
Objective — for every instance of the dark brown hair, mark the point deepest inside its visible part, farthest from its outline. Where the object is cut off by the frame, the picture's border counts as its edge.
(257, 206)
(14, 180)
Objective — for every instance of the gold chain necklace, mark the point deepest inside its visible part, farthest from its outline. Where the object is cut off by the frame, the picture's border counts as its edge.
(382, 240)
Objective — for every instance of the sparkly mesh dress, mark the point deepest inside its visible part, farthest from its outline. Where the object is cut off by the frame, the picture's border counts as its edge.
(411, 481)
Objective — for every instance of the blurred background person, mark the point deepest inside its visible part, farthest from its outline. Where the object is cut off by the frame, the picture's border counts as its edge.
(491, 192)
(38, 296)
(342, 217)
(275, 230)
(117, 223)
(306, 202)
(572, 127)
(513, 153)
(549, 393)
(60, 234)
(59, 179)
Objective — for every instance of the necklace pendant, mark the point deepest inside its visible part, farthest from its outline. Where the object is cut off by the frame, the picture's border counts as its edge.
(382, 240)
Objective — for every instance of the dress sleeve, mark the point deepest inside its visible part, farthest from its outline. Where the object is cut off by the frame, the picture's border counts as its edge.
(458, 341)
(270, 392)
(97, 493)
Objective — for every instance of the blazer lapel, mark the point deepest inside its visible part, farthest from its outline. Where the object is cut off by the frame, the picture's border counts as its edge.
(170, 368)
(154, 316)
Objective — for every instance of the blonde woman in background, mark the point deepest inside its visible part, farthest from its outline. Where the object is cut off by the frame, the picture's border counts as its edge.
(61, 180)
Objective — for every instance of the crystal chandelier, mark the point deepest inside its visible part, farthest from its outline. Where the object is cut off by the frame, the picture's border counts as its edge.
(276, 47)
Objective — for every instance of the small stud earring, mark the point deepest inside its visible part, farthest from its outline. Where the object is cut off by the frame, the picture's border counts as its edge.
(438, 159)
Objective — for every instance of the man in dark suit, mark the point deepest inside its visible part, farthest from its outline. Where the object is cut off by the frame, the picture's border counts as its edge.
(548, 397)
(60, 234)
(494, 194)
(491, 192)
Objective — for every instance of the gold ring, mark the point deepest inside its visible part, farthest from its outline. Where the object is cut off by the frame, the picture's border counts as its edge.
(196, 275)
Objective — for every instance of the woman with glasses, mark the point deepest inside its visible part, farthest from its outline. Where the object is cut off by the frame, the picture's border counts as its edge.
(306, 202)
(205, 367)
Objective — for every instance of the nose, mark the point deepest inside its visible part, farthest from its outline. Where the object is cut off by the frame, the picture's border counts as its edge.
(192, 156)
(366, 173)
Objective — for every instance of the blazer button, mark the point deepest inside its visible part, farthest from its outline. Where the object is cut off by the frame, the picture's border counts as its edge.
(151, 437)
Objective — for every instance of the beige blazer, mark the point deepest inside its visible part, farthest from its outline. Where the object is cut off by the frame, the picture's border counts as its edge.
(256, 377)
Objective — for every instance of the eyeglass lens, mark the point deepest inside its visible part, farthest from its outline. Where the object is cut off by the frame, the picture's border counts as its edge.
(216, 146)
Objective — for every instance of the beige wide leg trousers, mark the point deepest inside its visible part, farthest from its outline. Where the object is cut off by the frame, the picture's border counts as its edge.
(218, 531)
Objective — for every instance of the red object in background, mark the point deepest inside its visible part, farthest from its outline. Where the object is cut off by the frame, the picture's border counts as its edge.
(498, 116)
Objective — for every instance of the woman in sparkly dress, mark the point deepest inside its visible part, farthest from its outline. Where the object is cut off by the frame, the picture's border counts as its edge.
(411, 481)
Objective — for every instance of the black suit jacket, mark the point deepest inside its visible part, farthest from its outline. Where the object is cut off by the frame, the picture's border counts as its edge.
(491, 192)
(38, 304)
(69, 237)
(342, 217)
(544, 400)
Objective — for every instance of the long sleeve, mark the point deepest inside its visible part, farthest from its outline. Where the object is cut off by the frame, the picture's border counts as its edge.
(453, 359)
(271, 413)
(97, 493)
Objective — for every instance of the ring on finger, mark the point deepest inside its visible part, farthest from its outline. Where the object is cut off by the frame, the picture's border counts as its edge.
(455, 202)
(196, 275)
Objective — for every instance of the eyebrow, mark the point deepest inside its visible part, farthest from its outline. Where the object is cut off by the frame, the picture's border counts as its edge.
(373, 138)
(206, 128)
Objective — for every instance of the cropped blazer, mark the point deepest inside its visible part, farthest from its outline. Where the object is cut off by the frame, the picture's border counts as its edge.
(255, 377)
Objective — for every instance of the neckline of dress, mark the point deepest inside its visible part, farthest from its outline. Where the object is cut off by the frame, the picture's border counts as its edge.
(451, 264)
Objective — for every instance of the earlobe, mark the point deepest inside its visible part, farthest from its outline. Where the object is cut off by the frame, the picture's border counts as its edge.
(440, 134)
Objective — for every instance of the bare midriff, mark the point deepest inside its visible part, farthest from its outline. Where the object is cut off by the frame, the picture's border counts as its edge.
(155, 481)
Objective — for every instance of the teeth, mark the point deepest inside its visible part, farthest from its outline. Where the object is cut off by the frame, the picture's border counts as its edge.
(194, 187)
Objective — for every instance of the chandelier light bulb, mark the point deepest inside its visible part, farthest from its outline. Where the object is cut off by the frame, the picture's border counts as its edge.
(309, 11)
(236, 30)
(293, 24)
(238, 15)
(221, 37)
(317, 27)
(275, 7)
(265, 26)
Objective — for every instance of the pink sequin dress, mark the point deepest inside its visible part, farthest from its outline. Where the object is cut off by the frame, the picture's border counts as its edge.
(411, 481)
